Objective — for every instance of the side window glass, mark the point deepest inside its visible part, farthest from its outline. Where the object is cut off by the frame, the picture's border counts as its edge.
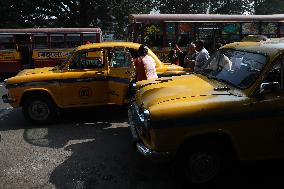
(88, 60)
(73, 40)
(93, 60)
(76, 63)
(276, 73)
(40, 41)
(120, 58)
(57, 40)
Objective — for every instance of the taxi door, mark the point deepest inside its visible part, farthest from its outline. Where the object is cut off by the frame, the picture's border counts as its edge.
(85, 81)
(268, 126)
(121, 72)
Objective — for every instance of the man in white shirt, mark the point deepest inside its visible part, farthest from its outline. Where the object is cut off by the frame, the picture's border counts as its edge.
(201, 57)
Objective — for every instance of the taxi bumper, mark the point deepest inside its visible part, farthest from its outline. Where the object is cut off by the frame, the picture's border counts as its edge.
(134, 122)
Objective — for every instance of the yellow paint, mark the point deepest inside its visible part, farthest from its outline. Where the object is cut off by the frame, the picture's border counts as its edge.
(10, 56)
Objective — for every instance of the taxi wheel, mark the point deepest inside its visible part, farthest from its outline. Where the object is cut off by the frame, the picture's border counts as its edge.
(39, 109)
(201, 167)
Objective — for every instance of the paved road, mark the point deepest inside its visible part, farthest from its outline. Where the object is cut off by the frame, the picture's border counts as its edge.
(91, 148)
(86, 148)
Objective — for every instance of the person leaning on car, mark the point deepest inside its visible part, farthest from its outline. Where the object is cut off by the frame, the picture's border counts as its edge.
(145, 65)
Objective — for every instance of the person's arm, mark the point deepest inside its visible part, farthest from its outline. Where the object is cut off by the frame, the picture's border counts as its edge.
(178, 49)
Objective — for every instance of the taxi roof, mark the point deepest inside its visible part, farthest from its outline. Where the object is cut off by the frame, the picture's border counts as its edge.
(110, 44)
(270, 47)
(118, 44)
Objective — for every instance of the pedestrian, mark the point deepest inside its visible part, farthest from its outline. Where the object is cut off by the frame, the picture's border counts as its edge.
(201, 57)
(189, 58)
(174, 55)
(145, 65)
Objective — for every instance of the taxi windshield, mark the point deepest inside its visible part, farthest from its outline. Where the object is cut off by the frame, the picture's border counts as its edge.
(234, 67)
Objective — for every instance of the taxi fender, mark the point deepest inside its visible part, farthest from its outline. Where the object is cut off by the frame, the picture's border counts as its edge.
(36, 91)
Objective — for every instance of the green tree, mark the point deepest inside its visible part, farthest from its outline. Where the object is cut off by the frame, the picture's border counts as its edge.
(16, 14)
(204, 6)
(268, 6)
(121, 9)
(109, 15)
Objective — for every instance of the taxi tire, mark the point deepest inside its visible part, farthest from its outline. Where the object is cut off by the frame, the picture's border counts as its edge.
(190, 158)
(45, 101)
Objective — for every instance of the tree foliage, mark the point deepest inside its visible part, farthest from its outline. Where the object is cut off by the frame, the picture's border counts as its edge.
(204, 6)
(269, 7)
(112, 15)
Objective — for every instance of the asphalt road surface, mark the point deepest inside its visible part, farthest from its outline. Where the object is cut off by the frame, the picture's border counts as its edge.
(92, 148)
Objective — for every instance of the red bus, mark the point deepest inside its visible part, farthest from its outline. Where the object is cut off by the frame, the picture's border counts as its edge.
(40, 47)
(161, 31)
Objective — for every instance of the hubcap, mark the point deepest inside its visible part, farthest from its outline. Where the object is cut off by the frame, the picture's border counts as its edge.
(202, 167)
(39, 110)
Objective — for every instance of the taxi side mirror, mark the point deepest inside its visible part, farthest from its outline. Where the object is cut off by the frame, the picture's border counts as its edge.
(269, 87)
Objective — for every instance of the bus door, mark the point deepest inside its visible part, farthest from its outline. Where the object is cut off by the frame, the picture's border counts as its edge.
(24, 47)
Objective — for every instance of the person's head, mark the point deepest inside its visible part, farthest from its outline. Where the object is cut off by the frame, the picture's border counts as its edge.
(143, 50)
(134, 53)
(191, 48)
(199, 45)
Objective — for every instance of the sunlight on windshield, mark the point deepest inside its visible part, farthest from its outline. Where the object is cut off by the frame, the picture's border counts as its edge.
(238, 68)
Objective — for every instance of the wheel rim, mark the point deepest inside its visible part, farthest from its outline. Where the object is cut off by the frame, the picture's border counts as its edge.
(202, 167)
(39, 110)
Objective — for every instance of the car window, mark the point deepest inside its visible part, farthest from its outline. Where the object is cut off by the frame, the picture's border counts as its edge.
(88, 60)
(120, 57)
(276, 72)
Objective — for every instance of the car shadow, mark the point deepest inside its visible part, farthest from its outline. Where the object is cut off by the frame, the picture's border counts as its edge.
(99, 142)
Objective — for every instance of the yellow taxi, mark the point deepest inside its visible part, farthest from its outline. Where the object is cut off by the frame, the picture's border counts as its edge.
(231, 110)
(94, 74)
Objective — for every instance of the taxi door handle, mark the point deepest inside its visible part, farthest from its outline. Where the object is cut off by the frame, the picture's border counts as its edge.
(99, 73)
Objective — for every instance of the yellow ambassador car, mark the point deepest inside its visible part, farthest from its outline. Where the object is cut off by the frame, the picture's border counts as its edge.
(94, 74)
(232, 109)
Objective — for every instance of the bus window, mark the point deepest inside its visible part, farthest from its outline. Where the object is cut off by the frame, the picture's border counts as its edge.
(57, 40)
(92, 38)
(6, 42)
(73, 40)
(185, 34)
(41, 41)
(250, 28)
